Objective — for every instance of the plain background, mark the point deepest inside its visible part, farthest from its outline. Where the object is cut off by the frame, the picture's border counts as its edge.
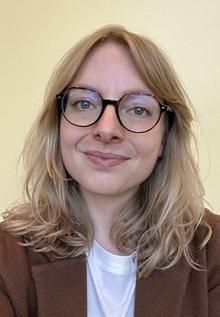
(35, 34)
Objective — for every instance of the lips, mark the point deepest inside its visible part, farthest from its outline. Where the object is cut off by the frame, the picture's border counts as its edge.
(105, 160)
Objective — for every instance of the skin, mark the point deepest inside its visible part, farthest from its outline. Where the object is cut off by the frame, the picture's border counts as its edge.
(107, 161)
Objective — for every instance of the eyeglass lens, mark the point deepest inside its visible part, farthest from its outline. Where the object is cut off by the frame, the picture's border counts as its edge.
(136, 112)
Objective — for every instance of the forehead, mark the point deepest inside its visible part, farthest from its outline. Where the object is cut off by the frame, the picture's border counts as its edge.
(110, 69)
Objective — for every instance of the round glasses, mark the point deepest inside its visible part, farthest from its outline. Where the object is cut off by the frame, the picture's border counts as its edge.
(137, 112)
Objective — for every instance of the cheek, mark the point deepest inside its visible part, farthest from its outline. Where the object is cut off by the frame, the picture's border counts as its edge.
(69, 134)
(149, 148)
(147, 160)
(68, 140)
(64, 136)
(150, 145)
(149, 155)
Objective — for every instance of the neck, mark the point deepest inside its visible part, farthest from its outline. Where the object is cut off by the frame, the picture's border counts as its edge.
(103, 210)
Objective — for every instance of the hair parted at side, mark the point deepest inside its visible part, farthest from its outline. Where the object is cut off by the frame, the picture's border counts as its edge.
(169, 204)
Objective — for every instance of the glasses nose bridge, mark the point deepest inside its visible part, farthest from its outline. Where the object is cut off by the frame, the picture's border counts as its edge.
(110, 102)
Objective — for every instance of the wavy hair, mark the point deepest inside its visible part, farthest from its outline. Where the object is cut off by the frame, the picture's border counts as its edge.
(168, 207)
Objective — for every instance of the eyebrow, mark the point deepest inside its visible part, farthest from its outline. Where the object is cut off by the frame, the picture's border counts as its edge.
(125, 92)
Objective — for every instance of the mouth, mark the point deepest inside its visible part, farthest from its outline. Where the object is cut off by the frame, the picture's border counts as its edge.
(105, 160)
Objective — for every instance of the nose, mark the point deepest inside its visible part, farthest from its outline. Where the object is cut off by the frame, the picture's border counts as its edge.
(108, 128)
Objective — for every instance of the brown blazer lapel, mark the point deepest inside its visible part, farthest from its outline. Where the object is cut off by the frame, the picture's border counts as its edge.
(61, 288)
(162, 293)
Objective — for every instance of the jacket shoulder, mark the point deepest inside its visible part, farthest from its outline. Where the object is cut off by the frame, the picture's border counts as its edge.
(17, 290)
(213, 264)
(12, 251)
(213, 245)
(212, 219)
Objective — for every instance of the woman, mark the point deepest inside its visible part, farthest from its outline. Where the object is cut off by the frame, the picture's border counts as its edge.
(113, 221)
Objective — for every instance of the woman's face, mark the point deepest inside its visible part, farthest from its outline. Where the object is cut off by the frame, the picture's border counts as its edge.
(105, 158)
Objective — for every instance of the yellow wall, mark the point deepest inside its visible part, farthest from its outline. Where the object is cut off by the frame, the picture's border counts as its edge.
(35, 34)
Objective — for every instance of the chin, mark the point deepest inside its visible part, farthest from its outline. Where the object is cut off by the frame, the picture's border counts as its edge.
(108, 189)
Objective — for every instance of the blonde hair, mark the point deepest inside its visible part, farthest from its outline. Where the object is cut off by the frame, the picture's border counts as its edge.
(168, 207)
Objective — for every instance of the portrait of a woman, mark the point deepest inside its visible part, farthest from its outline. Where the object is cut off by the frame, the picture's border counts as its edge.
(112, 223)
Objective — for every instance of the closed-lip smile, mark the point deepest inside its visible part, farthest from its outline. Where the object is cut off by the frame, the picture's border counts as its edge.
(105, 160)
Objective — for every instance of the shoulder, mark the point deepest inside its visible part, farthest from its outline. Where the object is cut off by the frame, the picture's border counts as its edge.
(206, 243)
(8, 244)
(210, 223)
(213, 220)
(212, 251)
(14, 254)
(213, 246)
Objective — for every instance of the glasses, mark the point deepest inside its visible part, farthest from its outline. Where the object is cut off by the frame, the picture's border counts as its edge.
(136, 112)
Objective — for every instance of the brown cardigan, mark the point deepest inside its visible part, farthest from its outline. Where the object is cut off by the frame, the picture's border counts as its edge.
(37, 284)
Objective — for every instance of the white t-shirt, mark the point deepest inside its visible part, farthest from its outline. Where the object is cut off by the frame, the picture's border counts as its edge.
(111, 281)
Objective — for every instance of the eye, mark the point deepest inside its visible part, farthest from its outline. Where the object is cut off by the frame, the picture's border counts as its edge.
(84, 105)
(139, 111)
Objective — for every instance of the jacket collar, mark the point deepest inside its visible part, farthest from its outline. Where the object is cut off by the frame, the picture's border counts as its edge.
(61, 289)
